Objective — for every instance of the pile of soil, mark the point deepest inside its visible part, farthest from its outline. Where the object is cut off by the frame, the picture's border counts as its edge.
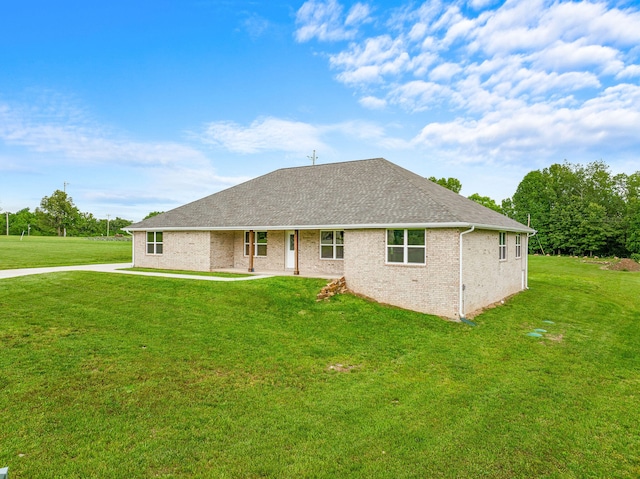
(625, 264)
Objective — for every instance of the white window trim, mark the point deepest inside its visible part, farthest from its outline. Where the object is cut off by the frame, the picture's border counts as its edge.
(155, 243)
(333, 244)
(502, 246)
(405, 246)
(518, 246)
(255, 245)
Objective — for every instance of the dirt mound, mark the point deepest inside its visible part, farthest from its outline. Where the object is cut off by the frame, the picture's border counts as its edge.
(625, 264)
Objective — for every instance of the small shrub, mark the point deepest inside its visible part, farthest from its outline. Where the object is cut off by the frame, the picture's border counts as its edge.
(636, 257)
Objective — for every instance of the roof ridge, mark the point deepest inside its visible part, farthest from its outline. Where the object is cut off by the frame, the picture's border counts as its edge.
(329, 164)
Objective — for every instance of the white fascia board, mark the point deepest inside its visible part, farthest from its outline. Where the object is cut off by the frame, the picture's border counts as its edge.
(524, 229)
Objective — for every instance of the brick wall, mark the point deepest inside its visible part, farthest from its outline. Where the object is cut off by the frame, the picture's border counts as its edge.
(186, 250)
(486, 278)
(222, 249)
(430, 288)
(309, 255)
(275, 259)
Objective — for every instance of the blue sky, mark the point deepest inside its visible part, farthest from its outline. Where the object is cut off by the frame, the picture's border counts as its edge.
(146, 105)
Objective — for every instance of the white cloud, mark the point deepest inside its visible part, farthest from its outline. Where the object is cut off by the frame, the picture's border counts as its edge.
(373, 103)
(324, 20)
(265, 134)
(611, 117)
(84, 143)
(358, 14)
(510, 77)
(369, 63)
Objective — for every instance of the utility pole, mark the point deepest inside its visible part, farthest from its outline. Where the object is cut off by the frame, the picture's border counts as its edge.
(65, 192)
(313, 158)
(7, 213)
(108, 216)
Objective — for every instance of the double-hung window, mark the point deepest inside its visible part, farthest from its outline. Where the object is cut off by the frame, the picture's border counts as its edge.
(518, 246)
(154, 242)
(502, 246)
(259, 243)
(406, 246)
(332, 244)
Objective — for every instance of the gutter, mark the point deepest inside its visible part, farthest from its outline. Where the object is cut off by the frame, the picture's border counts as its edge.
(479, 226)
(461, 297)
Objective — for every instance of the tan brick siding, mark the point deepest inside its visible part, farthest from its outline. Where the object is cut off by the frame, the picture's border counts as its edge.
(186, 250)
(430, 288)
(274, 261)
(309, 255)
(487, 279)
(222, 247)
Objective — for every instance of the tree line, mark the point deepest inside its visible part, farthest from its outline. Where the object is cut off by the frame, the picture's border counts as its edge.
(58, 216)
(575, 209)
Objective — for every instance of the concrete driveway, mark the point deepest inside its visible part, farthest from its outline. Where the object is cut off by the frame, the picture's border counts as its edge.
(117, 268)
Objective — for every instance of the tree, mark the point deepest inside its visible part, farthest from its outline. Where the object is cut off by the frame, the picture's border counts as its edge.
(578, 209)
(152, 214)
(486, 201)
(23, 221)
(452, 184)
(58, 211)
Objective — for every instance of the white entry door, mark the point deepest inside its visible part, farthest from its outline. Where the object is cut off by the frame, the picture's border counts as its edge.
(290, 241)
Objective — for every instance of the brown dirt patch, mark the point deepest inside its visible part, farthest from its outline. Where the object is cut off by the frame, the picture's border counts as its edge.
(624, 264)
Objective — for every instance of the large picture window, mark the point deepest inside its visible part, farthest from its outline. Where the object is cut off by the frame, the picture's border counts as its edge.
(502, 246)
(406, 246)
(332, 244)
(518, 246)
(154, 242)
(259, 243)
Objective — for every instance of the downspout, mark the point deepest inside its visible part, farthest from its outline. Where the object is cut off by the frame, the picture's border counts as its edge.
(526, 263)
(133, 250)
(461, 298)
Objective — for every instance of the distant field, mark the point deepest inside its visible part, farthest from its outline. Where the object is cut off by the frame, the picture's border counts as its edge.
(105, 375)
(41, 251)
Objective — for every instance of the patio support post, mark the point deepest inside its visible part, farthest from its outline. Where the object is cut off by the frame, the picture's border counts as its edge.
(296, 235)
(251, 248)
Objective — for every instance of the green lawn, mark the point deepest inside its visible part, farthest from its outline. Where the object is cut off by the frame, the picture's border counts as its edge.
(105, 375)
(42, 251)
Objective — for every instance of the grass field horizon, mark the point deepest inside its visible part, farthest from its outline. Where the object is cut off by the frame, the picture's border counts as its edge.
(105, 375)
(44, 251)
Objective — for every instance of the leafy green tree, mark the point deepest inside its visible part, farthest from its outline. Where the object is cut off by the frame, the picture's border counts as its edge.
(57, 212)
(23, 221)
(452, 184)
(486, 201)
(578, 209)
(152, 214)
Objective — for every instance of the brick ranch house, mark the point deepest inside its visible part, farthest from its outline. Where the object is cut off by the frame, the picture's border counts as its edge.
(395, 236)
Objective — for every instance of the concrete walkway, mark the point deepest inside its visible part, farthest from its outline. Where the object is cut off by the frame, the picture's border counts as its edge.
(117, 268)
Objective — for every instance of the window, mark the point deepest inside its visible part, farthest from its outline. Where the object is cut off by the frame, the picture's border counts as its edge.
(154, 242)
(259, 243)
(502, 246)
(332, 244)
(518, 246)
(406, 246)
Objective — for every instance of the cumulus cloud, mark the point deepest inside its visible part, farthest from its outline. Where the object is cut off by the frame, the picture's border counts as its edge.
(325, 20)
(508, 75)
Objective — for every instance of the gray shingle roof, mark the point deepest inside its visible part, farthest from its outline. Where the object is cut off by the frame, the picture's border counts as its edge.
(364, 193)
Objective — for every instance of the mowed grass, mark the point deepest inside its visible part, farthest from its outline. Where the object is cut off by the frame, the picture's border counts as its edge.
(43, 251)
(105, 375)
